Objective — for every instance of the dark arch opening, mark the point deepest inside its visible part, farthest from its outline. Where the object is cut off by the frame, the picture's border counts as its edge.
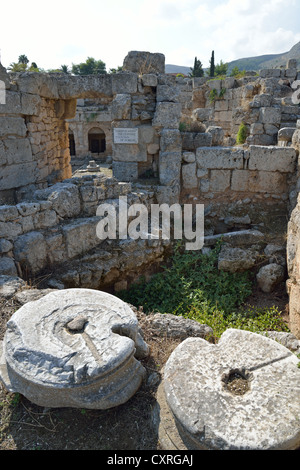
(97, 140)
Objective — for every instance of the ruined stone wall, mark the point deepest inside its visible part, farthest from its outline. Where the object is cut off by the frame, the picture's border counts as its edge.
(54, 234)
(181, 132)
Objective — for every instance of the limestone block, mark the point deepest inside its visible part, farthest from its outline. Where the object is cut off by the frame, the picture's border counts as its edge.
(30, 104)
(219, 180)
(7, 266)
(125, 171)
(88, 86)
(233, 394)
(292, 64)
(177, 327)
(236, 259)
(56, 249)
(189, 178)
(149, 79)
(286, 134)
(203, 114)
(10, 230)
(272, 158)
(262, 100)
(221, 105)
(5, 246)
(12, 103)
(12, 126)
(30, 251)
(64, 198)
(45, 219)
(8, 213)
(167, 115)
(256, 128)
(124, 83)
(270, 276)
(202, 139)
(74, 348)
(192, 140)
(121, 107)
(170, 140)
(223, 158)
(269, 73)
(126, 153)
(223, 116)
(28, 208)
(189, 157)
(167, 93)
(240, 180)
(41, 84)
(80, 236)
(217, 135)
(143, 62)
(167, 194)
(291, 73)
(270, 115)
(169, 167)
(271, 129)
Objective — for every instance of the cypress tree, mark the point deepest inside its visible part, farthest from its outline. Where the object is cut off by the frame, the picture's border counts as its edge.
(212, 65)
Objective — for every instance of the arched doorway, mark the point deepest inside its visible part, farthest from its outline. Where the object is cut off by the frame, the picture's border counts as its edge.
(72, 144)
(97, 140)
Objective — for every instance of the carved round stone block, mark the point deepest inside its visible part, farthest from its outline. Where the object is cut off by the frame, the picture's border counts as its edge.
(74, 348)
(240, 394)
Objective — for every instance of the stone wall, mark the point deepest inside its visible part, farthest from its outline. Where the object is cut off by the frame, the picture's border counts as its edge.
(180, 132)
(54, 234)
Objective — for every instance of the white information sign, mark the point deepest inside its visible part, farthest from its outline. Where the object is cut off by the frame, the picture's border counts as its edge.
(126, 136)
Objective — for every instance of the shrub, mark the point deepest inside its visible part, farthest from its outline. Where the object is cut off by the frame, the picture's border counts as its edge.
(242, 134)
(193, 287)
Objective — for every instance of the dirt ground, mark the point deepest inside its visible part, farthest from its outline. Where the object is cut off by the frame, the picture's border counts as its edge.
(25, 426)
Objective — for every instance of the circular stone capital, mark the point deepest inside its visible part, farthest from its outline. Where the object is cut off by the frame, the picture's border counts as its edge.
(240, 394)
(74, 347)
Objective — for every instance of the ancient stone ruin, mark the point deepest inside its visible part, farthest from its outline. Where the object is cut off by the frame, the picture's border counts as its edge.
(74, 348)
(163, 139)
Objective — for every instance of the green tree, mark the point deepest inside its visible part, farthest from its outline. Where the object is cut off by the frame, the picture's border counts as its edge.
(221, 69)
(65, 69)
(197, 70)
(89, 67)
(17, 67)
(235, 71)
(212, 65)
(118, 69)
(23, 59)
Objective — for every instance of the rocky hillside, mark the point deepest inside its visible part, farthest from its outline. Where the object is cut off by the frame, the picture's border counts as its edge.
(267, 61)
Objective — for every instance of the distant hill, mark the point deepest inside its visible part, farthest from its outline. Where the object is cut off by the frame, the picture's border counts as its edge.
(257, 63)
(177, 69)
(266, 61)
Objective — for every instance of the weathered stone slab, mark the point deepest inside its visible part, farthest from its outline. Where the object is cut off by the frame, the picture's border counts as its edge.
(73, 348)
(240, 394)
(64, 198)
(221, 158)
(169, 167)
(272, 158)
(30, 250)
(167, 115)
(143, 62)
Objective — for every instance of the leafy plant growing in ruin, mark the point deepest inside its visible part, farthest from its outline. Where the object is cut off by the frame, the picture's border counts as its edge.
(193, 287)
(242, 134)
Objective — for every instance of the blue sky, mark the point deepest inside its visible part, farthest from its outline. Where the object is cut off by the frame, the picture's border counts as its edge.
(65, 32)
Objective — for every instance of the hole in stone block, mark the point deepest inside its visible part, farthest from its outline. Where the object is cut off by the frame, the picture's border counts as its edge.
(237, 381)
(77, 325)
